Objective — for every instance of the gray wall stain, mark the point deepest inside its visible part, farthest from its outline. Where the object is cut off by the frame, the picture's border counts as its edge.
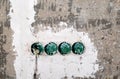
(6, 62)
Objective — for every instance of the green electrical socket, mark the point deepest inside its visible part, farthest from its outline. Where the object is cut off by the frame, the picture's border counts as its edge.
(78, 48)
(51, 48)
(37, 48)
(64, 48)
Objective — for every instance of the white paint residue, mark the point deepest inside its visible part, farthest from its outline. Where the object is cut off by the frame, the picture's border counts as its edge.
(49, 67)
(70, 65)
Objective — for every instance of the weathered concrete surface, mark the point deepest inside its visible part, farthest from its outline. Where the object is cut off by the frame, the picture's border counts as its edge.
(100, 18)
(6, 51)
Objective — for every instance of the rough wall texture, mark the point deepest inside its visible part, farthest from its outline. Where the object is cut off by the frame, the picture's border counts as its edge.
(100, 18)
(6, 52)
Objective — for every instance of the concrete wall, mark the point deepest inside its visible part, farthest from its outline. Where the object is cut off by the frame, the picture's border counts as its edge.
(99, 18)
(6, 51)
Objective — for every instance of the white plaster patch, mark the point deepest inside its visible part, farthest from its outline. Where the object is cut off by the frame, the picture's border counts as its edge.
(49, 67)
